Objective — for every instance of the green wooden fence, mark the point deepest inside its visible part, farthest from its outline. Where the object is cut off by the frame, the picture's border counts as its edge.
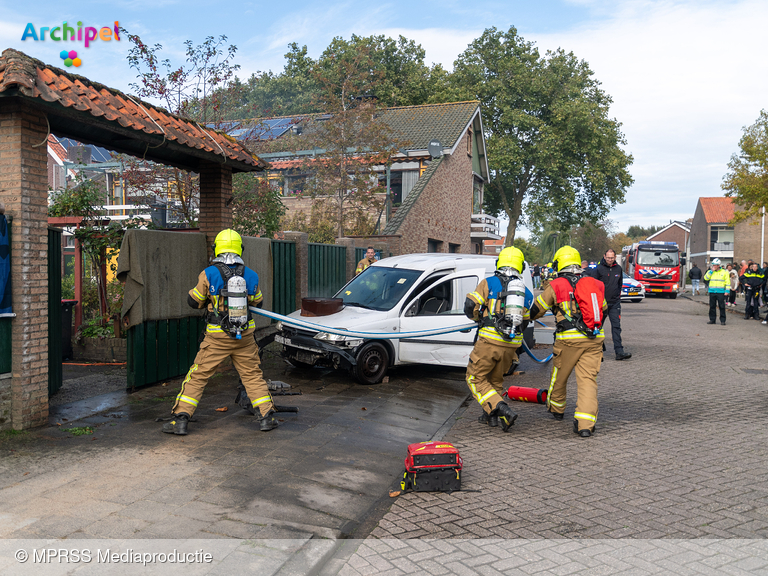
(6, 350)
(283, 276)
(55, 344)
(326, 269)
(162, 349)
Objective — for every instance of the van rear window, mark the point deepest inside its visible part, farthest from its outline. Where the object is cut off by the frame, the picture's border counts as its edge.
(378, 288)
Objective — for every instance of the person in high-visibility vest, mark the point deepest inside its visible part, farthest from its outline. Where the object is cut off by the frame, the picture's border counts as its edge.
(719, 287)
(573, 349)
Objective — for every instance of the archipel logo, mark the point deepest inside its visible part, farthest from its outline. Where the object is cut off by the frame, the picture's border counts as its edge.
(66, 33)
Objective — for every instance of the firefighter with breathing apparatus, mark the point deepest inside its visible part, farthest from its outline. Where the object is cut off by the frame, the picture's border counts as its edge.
(498, 305)
(226, 288)
(578, 303)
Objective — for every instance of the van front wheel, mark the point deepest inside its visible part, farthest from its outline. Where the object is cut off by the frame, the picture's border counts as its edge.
(372, 363)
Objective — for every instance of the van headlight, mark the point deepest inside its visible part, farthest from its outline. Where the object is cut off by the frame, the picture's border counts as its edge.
(674, 287)
(338, 339)
(279, 325)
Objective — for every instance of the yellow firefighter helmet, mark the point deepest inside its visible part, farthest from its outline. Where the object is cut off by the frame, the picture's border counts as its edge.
(228, 241)
(511, 257)
(566, 256)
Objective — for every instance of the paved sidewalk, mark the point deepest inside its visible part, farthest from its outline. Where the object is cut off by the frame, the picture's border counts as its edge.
(733, 312)
(680, 452)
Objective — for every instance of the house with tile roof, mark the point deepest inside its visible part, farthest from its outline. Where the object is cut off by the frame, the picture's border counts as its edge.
(435, 192)
(712, 236)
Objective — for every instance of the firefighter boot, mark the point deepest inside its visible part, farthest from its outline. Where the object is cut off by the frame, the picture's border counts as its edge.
(505, 415)
(177, 425)
(492, 421)
(267, 422)
(557, 415)
(586, 433)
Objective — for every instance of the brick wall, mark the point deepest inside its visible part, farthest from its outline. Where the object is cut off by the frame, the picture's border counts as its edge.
(746, 240)
(674, 234)
(23, 190)
(296, 204)
(444, 209)
(215, 200)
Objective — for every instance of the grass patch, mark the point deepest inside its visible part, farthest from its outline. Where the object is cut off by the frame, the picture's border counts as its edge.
(80, 430)
(8, 434)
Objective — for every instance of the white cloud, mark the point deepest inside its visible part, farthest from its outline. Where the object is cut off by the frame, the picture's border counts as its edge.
(685, 77)
(441, 45)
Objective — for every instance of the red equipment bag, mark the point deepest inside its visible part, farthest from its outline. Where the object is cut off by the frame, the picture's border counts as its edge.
(523, 394)
(432, 467)
(589, 295)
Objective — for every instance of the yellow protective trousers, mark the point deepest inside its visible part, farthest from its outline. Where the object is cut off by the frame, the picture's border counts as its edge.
(488, 363)
(213, 351)
(583, 356)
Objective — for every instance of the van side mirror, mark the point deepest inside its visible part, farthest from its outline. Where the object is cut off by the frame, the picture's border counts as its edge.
(411, 310)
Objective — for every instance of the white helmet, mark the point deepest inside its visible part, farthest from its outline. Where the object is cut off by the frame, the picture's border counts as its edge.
(716, 262)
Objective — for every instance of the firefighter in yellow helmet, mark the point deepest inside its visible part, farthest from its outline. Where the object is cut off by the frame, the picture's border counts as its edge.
(226, 288)
(575, 346)
(498, 305)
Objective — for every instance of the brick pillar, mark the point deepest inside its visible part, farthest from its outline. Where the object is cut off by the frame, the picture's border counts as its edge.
(215, 200)
(349, 243)
(24, 191)
(302, 263)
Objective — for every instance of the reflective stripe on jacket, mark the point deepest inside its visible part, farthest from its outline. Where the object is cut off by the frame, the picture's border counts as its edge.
(719, 281)
(547, 300)
(486, 299)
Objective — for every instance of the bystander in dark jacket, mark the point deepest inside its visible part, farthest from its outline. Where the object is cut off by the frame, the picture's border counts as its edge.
(611, 275)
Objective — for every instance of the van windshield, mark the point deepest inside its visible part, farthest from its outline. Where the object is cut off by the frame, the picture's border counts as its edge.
(378, 288)
(656, 258)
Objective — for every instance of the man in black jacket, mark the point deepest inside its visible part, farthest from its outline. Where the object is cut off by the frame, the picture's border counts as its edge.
(695, 276)
(610, 274)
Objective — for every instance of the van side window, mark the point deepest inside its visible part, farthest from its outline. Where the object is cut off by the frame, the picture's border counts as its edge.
(445, 298)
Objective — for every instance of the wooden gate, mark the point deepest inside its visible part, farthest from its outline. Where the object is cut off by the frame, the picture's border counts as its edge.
(55, 345)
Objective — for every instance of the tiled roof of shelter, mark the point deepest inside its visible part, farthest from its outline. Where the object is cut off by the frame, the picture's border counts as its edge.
(717, 209)
(22, 75)
(410, 200)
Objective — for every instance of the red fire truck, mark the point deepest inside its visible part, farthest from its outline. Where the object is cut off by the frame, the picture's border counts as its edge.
(656, 265)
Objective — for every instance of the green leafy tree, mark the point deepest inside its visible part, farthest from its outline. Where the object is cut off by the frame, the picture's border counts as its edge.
(641, 233)
(257, 207)
(747, 178)
(592, 239)
(554, 152)
(530, 251)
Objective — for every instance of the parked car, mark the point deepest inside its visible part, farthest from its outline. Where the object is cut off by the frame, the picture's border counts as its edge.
(631, 290)
(410, 293)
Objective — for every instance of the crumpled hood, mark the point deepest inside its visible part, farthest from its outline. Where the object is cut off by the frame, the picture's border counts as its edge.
(353, 318)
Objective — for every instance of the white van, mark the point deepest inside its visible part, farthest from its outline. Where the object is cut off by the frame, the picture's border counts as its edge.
(410, 293)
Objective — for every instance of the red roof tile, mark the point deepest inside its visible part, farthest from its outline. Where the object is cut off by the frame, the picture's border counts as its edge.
(717, 210)
(56, 147)
(34, 79)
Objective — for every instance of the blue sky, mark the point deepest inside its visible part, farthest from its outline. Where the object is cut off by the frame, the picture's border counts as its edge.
(685, 75)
